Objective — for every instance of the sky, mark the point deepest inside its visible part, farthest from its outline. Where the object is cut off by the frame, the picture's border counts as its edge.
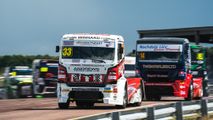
(35, 27)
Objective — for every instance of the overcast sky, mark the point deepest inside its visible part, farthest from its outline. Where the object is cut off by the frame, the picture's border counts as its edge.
(32, 27)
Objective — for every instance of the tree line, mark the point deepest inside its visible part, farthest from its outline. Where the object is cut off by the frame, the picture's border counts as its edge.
(26, 60)
(21, 60)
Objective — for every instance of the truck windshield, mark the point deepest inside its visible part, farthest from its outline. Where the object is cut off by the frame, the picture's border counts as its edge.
(95, 53)
(48, 71)
(23, 72)
(196, 55)
(161, 56)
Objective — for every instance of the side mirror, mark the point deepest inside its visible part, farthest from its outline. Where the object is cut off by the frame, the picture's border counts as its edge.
(57, 49)
(134, 51)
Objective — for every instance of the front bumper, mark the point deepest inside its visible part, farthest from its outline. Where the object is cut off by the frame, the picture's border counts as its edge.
(177, 88)
(108, 94)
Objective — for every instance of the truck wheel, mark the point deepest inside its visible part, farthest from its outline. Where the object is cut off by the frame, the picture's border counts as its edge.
(125, 100)
(190, 93)
(63, 105)
(33, 93)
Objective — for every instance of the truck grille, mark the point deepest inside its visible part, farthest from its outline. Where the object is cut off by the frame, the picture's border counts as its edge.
(84, 78)
(160, 90)
(86, 95)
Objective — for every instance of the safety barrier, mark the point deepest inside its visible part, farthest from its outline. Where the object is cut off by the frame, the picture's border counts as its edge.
(198, 109)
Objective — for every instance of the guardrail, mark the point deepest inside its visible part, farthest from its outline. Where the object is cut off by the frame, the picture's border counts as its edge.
(199, 109)
(210, 86)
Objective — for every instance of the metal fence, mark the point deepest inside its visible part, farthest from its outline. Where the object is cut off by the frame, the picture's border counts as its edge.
(199, 109)
(210, 87)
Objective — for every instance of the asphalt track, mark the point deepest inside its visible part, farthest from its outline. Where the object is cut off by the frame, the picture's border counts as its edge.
(47, 109)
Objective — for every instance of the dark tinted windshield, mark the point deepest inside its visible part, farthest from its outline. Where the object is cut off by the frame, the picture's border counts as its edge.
(49, 71)
(88, 53)
(23, 72)
(167, 56)
(197, 55)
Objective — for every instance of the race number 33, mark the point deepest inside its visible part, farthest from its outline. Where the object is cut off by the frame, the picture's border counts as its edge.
(67, 52)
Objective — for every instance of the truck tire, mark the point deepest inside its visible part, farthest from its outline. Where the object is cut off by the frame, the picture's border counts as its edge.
(190, 93)
(64, 105)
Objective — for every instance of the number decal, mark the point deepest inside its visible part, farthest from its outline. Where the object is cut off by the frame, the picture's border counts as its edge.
(200, 56)
(142, 55)
(67, 52)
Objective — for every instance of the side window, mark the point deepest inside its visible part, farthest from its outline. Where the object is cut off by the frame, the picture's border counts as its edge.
(120, 51)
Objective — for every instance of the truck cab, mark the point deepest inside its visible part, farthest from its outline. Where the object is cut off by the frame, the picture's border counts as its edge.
(19, 82)
(199, 68)
(45, 77)
(91, 70)
(164, 64)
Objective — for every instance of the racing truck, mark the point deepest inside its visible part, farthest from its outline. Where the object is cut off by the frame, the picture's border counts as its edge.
(19, 82)
(91, 70)
(45, 76)
(164, 64)
(199, 68)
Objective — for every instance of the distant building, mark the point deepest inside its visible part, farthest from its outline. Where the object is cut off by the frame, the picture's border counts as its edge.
(194, 34)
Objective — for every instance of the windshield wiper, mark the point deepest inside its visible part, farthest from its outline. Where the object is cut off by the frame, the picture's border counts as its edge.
(98, 61)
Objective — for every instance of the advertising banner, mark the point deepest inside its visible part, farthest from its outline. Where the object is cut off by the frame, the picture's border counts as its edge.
(159, 47)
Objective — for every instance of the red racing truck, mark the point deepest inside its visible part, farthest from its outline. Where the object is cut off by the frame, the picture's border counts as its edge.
(164, 64)
(91, 70)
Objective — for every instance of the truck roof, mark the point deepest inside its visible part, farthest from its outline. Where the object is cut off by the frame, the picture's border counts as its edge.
(80, 36)
(162, 40)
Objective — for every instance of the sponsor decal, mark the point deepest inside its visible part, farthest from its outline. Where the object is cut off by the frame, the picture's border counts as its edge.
(86, 65)
(88, 37)
(75, 60)
(91, 43)
(93, 65)
(159, 47)
(52, 64)
(156, 75)
(86, 69)
(68, 42)
(159, 66)
(75, 65)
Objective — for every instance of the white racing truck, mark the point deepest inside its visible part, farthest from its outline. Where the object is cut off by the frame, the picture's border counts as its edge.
(91, 70)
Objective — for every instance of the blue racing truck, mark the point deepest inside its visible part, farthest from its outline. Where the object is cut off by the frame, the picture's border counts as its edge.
(164, 64)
